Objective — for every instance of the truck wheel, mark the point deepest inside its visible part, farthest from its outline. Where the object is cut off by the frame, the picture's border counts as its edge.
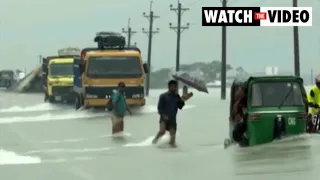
(51, 99)
(46, 97)
(72, 99)
(77, 102)
(85, 105)
(8, 85)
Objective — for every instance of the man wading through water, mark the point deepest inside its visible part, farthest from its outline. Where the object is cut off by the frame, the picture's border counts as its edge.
(120, 107)
(168, 105)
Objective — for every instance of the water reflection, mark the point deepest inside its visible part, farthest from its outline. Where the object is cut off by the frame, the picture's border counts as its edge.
(276, 158)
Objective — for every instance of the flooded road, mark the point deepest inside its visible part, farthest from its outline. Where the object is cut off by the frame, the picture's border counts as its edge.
(43, 141)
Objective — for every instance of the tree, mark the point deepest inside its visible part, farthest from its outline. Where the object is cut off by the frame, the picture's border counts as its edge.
(210, 71)
(241, 73)
(159, 78)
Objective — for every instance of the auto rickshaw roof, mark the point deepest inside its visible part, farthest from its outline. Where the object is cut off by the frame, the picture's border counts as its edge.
(246, 80)
(275, 78)
(267, 78)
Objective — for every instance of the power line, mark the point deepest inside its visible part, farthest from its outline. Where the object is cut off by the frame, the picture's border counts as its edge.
(151, 17)
(129, 32)
(194, 2)
(178, 29)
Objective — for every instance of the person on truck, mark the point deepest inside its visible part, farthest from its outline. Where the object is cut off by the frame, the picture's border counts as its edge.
(119, 109)
(313, 98)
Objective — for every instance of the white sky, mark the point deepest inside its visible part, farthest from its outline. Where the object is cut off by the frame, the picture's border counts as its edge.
(33, 27)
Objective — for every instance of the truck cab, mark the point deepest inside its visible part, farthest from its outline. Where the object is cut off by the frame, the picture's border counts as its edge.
(99, 70)
(7, 78)
(58, 78)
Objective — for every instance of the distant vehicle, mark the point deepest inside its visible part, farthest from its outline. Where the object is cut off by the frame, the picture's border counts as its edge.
(276, 107)
(7, 78)
(99, 70)
(21, 75)
(58, 78)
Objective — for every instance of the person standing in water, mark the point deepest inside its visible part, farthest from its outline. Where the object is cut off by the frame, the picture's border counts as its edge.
(168, 105)
(313, 99)
(120, 107)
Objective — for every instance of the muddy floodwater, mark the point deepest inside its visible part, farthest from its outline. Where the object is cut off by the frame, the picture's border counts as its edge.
(41, 141)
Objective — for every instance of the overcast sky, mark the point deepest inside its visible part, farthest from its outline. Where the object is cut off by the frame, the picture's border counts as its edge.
(32, 27)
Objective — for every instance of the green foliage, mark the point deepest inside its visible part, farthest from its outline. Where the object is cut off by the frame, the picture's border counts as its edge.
(159, 78)
(210, 71)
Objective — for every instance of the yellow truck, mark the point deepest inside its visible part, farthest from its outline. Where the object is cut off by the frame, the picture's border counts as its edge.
(58, 78)
(99, 70)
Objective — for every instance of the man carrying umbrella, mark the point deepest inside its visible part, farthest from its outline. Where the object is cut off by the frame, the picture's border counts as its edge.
(168, 105)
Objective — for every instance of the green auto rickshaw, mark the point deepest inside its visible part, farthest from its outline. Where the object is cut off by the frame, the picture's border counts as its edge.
(271, 107)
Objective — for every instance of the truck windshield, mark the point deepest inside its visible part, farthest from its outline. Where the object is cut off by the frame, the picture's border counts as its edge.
(6, 74)
(114, 67)
(271, 94)
(63, 69)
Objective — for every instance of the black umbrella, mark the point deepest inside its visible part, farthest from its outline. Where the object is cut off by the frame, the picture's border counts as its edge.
(191, 81)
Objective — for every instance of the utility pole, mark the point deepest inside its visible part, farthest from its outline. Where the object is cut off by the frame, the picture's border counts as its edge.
(178, 29)
(151, 17)
(223, 74)
(40, 58)
(311, 73)
(129, 32)
(296, 48)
